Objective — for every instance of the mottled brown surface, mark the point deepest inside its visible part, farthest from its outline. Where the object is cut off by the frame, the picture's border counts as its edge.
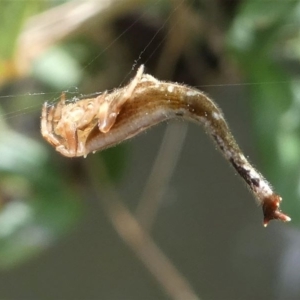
(148, 103)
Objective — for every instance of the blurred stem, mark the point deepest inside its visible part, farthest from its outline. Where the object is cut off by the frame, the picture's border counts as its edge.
(170, 279)
(161, 173)
(66, 20)
(176, 40)
(173, 140)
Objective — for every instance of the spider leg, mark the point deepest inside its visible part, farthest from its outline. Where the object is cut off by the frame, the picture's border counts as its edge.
(132, 85)
(67, 129)
(48, 119)
(108, 121)
(104, 122)
(47, 126)
(109, 111)
(44, 127)
(59, 107)
(91, 109)
(70, 145)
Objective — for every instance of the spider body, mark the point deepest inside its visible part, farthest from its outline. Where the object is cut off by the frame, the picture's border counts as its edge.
(67, 126)
(89, 125)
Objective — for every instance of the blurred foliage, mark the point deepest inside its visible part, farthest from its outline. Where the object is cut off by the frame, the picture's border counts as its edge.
(39, 200)
(262, 39)
(37, 206)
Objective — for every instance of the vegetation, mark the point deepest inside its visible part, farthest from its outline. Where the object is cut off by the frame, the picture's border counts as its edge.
(252, 45)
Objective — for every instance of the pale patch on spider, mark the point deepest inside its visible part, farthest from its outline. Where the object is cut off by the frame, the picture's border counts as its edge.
(216, 115)
(170, 88)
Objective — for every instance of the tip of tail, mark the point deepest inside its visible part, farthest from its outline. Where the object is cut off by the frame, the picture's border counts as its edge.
(272, 211)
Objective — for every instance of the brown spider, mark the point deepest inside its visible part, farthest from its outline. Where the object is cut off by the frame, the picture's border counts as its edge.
(88, 125)
(67, 126)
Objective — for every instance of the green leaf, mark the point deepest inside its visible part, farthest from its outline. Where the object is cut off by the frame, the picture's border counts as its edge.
(57, 69)
(39, 205)
(12, 17)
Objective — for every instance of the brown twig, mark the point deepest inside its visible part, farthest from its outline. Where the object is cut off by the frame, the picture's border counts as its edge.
(170, 279)
(173, 140)
(161, 173)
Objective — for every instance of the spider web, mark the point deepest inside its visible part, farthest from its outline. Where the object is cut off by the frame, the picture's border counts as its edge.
(53, 97)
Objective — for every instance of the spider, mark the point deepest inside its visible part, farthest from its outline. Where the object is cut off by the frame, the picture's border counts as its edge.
(67, 126)
(88, 125)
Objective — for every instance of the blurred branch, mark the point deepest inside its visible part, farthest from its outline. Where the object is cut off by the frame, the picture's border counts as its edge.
(173, 283)
(173, 140)
(162, 170)
(66, 20)
(177, 37)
